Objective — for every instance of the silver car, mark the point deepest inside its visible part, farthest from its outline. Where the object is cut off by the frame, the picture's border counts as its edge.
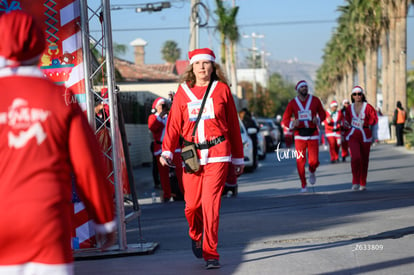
(271, 133)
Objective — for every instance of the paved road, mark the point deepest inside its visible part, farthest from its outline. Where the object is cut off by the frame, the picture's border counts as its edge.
(270, 228)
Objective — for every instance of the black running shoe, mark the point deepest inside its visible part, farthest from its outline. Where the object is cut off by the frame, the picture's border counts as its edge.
(212, 264)
(197, 248)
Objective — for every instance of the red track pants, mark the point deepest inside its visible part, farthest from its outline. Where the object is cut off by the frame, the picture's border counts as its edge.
(334, 143)
(359, 160)
(312, 147)
(202, 195)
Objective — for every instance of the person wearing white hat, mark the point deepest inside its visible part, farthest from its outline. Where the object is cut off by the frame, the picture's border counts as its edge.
(333, 130)
(217, 140)
(45, 138)
(359, 119)
(307, 111)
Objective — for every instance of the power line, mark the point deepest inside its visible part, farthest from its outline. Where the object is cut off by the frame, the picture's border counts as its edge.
(214, 27)
(263, 24)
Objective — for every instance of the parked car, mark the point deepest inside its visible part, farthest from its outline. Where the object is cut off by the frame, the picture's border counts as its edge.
(261, 146)
(271, 133)
(250, 160)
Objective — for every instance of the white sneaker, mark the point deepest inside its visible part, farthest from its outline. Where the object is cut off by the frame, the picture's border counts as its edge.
(355, 187)
(304, 190)
(312, 178)
(362, 188)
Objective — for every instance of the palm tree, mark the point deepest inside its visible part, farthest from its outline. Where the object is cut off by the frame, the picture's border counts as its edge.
(170, 51)
(228, 29)
(368, 26)
(401, 51)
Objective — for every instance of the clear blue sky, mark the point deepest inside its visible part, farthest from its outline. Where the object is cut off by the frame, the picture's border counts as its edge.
(286, 36)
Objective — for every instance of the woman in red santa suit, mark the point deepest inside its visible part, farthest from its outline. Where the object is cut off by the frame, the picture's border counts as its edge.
(360, 117)
(307, 111)
(333, 123)
(218, 142)
(43, 138)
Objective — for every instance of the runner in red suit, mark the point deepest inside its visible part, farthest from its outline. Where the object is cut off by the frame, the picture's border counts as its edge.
(360, 117)
(333, 124)
(43, 138)
(307, 111)
(218, 142)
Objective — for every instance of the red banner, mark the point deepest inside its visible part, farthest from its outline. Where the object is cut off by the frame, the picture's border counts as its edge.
(62, 60)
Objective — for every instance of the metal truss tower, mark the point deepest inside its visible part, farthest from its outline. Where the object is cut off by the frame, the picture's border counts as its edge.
(98, 73)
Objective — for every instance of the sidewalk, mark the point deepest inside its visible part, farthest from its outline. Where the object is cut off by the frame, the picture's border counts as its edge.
(144, 184)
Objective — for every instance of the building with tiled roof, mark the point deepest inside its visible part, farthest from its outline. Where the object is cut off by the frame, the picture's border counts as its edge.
(139, 72)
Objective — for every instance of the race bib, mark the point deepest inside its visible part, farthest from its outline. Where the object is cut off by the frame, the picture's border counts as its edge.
(194, 109)
(357, 123)
(305, 115)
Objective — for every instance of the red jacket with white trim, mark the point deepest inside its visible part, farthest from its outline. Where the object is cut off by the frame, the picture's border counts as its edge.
(333, 128)
(156, 125)
(316, 109)
(44, 136)
(367, 118)
(219, 119)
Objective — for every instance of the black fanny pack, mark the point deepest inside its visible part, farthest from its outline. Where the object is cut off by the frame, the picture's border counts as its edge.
(306, 132)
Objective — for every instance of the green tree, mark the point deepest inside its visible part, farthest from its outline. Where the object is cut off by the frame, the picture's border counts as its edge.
(280, 93)
(410, 88)
(229, 32)
(271, 101)
(170, 51)
(97, 60)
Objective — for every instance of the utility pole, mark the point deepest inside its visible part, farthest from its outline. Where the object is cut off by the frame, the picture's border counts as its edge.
(254, 36)
(194, 25)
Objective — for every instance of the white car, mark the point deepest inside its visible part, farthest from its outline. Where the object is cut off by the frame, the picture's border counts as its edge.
(249, 163)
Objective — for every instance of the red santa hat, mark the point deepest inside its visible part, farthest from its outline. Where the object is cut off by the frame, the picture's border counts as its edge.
(357, 89)
(345, 101)
(157, 102)
(22, 40)
(301, 84)
(333, 104)
(201, 54)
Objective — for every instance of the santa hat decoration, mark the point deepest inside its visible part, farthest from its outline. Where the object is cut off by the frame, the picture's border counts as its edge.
(333, 104)
(157, 102)
(301, 84)
(22, 40)
(357, 89)
(201, 54)
(345, 101)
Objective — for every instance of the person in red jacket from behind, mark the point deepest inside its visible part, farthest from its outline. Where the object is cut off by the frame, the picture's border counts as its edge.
(333, 124)
(43, 138)
(307, 111)
(218, 142)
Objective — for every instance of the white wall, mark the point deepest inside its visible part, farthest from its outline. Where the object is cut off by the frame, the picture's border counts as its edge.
(139, 140)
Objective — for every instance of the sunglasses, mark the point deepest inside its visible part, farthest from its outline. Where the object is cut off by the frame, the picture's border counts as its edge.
(358, 94)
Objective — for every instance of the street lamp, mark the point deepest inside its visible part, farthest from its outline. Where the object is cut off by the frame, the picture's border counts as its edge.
(150, 7)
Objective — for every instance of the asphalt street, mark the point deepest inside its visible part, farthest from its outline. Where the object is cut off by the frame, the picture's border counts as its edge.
(271, 228)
